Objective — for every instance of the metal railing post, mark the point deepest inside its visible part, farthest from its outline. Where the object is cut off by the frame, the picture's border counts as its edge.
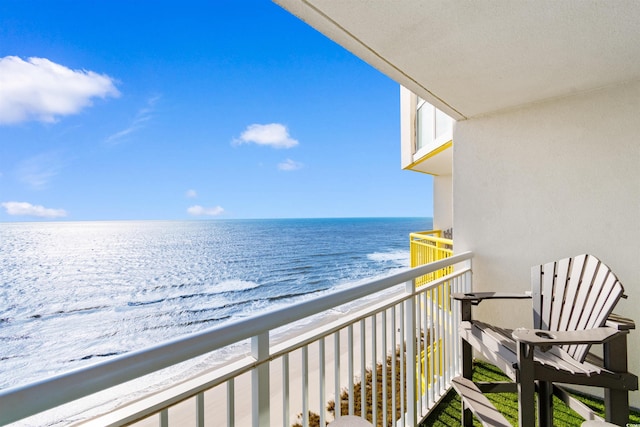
(164, 418)
(200, 410)
(231, 403)
(410, 328)
(350, 370)
(285, 391)
(260, 381)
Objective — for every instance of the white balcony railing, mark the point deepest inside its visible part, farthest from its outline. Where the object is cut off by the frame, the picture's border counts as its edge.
(400, 337)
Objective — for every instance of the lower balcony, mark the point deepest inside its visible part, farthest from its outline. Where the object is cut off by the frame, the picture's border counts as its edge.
(430, 246)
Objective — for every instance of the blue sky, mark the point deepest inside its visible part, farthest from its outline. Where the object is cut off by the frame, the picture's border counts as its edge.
(116, 110)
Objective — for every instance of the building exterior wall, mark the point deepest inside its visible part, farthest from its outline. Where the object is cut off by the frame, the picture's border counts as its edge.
(549, 181)
(442, 202)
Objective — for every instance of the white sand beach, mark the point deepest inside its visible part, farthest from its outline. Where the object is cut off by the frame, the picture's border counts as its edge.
(184, 413)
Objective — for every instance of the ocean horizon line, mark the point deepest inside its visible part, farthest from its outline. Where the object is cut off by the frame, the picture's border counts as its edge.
(66, 221)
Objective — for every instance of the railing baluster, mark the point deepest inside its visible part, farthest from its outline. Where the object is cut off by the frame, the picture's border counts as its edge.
(418, 328)
(231, 403)
(410, 320)
(363, 369)
(449, 340)
(442, 330)
(164, 418)
(200, 410)
(260, 381)
(462, 288)
(426, 348)
(432, 344)
(285, 390)
(394, 359)
(446, 353)
(454, 330)
(350, 350)
(336, 366)
(385, 369)
(321, 369)
(403, 362)
(374, 371)
(305, 386)
(437, 357)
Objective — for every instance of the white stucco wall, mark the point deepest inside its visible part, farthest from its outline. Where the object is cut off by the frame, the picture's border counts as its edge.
(442, 202)
(548, 181)
(407, 126)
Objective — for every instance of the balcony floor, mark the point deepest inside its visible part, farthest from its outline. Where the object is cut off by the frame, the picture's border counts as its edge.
(447, 413)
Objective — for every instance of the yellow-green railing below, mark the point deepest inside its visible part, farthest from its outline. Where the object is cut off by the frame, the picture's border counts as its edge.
(430, 246)
(426, 247)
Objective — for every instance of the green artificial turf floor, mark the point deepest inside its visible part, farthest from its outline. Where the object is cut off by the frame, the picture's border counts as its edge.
(447, 413)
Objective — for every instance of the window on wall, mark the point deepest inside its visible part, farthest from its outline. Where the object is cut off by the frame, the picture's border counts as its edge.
(425, 126)
(443, 123)
(431, 124)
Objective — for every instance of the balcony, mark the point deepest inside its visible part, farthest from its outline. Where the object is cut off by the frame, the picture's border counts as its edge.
(427, 136)
(398, 333)
(403, 325)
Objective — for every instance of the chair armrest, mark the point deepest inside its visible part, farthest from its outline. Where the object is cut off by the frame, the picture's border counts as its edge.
(476, 297)
(539, 337)
(620, 323)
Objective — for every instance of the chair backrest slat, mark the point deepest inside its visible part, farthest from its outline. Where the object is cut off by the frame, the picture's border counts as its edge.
(548, 286)
(573, 284)
(610, 293)
(584, 287)
(612, 290)
(558, 298)
(592, 303)
(537, 275)
(602, 284)
(573, 294)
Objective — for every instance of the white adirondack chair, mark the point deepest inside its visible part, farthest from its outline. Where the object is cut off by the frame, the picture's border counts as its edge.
(572, 300)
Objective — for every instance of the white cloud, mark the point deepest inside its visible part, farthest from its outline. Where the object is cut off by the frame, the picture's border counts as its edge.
(191, 194)
(39, 89)
(198, 210)
(39, 170)
(290, 165)
(142, 116)
(274, 135)
(27, 209)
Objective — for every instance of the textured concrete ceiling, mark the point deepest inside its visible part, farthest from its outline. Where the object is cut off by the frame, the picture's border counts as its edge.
(472, 58)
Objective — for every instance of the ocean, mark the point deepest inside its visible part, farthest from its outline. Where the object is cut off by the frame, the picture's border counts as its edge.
(76, 293)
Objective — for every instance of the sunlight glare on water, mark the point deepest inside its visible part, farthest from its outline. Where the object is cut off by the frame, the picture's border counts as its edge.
(75, 293)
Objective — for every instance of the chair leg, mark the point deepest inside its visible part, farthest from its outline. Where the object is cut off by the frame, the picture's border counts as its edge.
(616, 402)
(616, 406)
(467, 362)
(526, 387)
(467, 372)
(545, 404)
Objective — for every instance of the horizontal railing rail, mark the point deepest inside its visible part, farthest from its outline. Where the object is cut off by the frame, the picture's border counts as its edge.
(427, 324)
